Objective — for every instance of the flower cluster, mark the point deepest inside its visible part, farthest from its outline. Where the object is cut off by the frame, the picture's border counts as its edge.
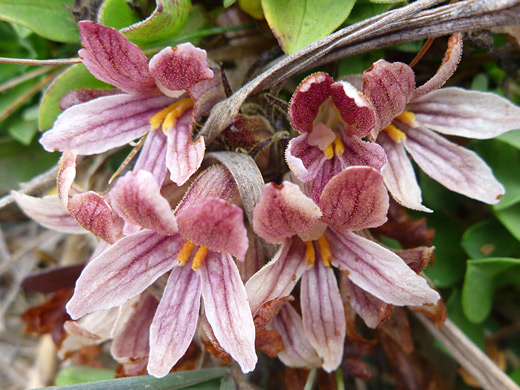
(350, 154)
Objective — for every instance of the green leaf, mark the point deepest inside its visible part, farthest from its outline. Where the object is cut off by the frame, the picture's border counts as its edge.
(297, 23)
(488, 239)
(12, 96)
(227, 383)
(75, 77)
(168, 18)
(474, 331)
(482, 278)
(362, 11)
(176, 380)
(510, 218)
(511, 137)
(117, 14)
(49, 18)
(23, 131)
(228, 3)
(82, 374)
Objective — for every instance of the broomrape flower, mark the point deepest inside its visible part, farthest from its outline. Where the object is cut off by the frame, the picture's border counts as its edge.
(160, 98)
(316, 235)
(195, 245)
(411, 117)
(332, 118)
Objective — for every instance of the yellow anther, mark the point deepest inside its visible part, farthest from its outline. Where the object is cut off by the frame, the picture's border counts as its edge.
(310, 254)
(407, 117)
(394, 133)
(329, 151)
(185, 252)
(339, 148)
(326, 254)
(168, 116)
(199, 257)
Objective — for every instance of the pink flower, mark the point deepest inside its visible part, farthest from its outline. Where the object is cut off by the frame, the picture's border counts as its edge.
(411, 117)
(151, 96)
(316, 235)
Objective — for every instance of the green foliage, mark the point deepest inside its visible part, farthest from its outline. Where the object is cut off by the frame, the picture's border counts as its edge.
(297, 23)
(455, 312)
(489, 238)
(117, 14)
(74, 375)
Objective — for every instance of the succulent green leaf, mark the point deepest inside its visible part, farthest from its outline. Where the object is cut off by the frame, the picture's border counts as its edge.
(82, 374)
(117, 14)
(482, 278)
(167, 19)
(297, 23)
(489, 238)
(455, 312)
(512, 138)
(75, 77)
(510, 218)
(51, 19)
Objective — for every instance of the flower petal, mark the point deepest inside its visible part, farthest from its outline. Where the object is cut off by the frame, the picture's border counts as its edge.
(378, 271)
(152, 157)
(323, 314)
(112, 58)
(284, 211)
(216, 225)
(455, 167)
(227, 310)
(84, 95)
(470, 114)
(449, 65)
(181, 67)
(66, 176)
(278, 277)
(307, 99)
(175, 321)
(48, 212)
(389, 86)
(399, 176)
(355, 199)
(123, 271)
(297, 352)
(103, 123)
(355, 109)
(137, 198)
(183, 156)
(206, 94)
(303, 159)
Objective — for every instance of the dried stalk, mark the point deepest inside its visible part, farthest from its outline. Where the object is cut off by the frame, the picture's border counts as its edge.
(469, 356)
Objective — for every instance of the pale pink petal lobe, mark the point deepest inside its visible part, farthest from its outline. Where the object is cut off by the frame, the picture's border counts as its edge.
(112, 58)
(278, 277)
(323, 314)
(123, 271)
(175, 321)
(84, 95)
(66, 176)
(152, 157)
(304, 160)
(227, 310)
(216, 225)
(355, 199)
(137, 198)
(378, 271)
(103, 123)
(458, 169)
(284, 211)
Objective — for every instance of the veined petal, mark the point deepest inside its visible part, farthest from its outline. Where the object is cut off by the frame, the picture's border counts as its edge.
(227, 310)
(152, 157)
(137, 198)
(355, 109)
(183, 156)
(455, 167)
(112, 58)
(399, 176)
(304, 160)
(175, 321)
(216, 225)
(123, 271)
(48, 212)
(206, 94)
(389, 86)
(278, 278)
(179, 68)
(307, 99)
(355, 199)
(66, 176)
(84, 95)
(449, 65)
(323, 314)
(378, 271)
(297, 352)
(359, 152)
(470, 114)
(284, 211)
(103, 123)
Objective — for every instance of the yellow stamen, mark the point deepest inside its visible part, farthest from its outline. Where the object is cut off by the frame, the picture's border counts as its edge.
(168, 116)
(326, 254)
(310, 254)
(329, 151)
(407, 117)
(394, 133)
(199, 257)
(185, 252)
(339, 148)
